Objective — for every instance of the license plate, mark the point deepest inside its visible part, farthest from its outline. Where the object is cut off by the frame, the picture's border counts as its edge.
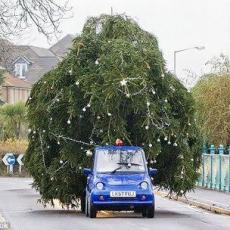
(122, 194)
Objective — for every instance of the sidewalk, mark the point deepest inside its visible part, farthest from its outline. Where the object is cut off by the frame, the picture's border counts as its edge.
(210, 200)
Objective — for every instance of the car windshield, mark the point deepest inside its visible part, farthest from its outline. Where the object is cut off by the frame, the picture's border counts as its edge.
(120, 161)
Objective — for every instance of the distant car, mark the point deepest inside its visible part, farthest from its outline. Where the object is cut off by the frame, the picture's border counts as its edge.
(119, 180)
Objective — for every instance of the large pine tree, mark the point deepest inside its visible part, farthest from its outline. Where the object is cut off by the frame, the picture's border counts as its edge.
(113, 84)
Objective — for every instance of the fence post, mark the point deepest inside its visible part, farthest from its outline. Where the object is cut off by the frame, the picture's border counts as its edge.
(221, 152)
(212, 152)
(204, 151)
(229, 169)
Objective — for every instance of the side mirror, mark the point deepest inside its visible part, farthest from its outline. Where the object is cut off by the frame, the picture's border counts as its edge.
(152, 172)
(87, 171)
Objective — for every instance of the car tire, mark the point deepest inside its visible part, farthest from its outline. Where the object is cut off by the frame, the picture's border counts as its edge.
(92, 210)
(86, 206)
(83, 203)
(150, 211)
(144, 212)
(137, 210)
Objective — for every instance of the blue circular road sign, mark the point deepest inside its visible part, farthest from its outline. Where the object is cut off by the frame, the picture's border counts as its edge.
(11, 159)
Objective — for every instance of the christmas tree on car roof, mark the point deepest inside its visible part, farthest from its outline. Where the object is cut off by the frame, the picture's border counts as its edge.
(113, 84)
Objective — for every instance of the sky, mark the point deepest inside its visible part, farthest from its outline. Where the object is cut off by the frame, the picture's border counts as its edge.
(177, 24)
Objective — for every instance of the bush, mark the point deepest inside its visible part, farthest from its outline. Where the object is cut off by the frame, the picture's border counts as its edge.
(13, 120)
(212, 96)
(13, 146)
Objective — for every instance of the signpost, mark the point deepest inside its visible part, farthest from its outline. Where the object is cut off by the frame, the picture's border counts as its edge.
(19, 160)
(9, 160)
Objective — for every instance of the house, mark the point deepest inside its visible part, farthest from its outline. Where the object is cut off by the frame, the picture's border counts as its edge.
(30, 63)
(60, 49)
(14, 90)
(24, 65)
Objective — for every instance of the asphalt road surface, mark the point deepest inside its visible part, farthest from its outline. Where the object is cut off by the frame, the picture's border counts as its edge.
(18, 205)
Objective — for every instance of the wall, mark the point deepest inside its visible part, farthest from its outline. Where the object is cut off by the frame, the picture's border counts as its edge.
(13, 95)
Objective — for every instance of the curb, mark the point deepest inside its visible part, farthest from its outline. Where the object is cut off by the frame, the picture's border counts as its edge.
(195, 203)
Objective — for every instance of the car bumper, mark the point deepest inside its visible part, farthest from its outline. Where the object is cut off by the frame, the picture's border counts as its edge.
(102, 200)
(122, 205)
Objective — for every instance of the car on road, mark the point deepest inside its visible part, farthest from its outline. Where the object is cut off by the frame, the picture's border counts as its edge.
(119, 180)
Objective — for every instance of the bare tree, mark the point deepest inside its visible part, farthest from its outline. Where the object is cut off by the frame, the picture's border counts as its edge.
(6, 51)
(18, 15)
(219, 65)
(189, 79)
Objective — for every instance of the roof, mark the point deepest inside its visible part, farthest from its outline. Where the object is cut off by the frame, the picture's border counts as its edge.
(11, 81)
(22, 57)
(42, 52)
(114, 147)
(40, 60)
(62, 47)
(39, 51)
(40, 67)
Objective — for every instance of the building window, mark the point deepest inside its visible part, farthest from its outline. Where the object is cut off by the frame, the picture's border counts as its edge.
(20, 70)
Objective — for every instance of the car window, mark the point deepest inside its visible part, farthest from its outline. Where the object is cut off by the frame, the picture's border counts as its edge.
(120, 161)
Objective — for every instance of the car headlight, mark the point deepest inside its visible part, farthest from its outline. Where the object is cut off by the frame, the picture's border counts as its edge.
(144, 185)
(99, 185)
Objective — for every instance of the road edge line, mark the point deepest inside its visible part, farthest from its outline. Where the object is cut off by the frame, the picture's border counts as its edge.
(3, 223)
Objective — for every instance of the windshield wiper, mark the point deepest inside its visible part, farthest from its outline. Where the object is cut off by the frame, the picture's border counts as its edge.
(116, 169)
(124, 163)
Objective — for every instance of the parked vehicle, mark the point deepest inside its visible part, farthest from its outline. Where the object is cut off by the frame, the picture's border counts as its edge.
(119, 180)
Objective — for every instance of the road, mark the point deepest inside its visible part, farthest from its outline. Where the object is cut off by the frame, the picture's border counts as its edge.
(18, 204)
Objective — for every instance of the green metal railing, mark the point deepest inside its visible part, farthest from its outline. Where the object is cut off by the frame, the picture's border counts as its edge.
(215, 168)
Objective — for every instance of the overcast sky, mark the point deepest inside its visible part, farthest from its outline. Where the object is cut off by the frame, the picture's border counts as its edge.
(177, 24)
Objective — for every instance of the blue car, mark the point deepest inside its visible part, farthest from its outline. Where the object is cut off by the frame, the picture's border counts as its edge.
(119, 180)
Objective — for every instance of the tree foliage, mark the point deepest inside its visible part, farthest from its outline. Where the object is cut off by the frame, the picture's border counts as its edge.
(12, 118)
(1, 76)
(212, 97)
(113, 84)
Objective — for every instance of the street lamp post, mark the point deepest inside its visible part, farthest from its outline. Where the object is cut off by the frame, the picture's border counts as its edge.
(179, 51)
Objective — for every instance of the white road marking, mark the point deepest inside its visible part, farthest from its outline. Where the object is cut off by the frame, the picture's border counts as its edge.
(3, 223)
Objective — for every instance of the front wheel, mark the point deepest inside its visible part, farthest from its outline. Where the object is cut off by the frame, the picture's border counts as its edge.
(150, 211)
(92, 210)
(83, 202)
(86, 206)
(144, 212)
